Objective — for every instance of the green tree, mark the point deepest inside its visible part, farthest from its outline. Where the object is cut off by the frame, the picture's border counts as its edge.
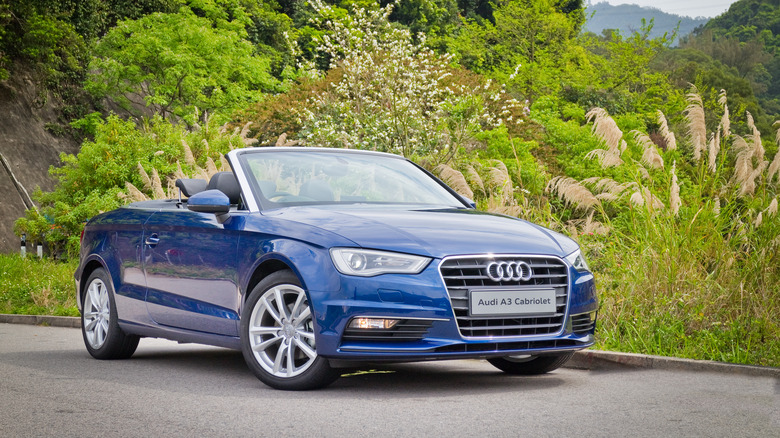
(623, 67)
(528, 45)
(173, 63)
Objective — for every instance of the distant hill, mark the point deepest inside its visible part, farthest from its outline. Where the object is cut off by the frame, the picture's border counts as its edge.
(628, 18)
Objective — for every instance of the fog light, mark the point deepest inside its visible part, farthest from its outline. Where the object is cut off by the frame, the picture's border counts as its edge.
(373, 323)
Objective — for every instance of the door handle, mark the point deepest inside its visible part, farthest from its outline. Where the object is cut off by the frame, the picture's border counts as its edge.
(152, 240)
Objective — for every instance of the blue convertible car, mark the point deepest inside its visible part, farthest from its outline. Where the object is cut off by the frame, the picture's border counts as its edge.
(310, 260)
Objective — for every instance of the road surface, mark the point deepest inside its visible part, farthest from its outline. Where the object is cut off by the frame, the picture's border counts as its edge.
(50, 386)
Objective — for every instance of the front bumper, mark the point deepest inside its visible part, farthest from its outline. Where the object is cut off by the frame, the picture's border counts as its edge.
(429, 328)
(440, 349)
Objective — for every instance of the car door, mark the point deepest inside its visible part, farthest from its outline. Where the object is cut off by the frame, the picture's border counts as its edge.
(126, 243)
(190, 262)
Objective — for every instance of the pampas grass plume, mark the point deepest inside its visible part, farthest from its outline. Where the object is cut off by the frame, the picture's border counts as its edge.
(144, 177)
(697, 126)
(605, 157)
(157, 188)
(714, 148)
(133, 194)
(651, 157)
(455, 179)
(472, 176)
(774, 168)
(188, 157)
(572, 192)
(758, 147)
(725, 121)
(224, 165)
(605, 128)
(211, 167)
(671, 141)
(772, 209)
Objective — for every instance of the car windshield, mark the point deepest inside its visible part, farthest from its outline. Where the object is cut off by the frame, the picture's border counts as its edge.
(311, 177)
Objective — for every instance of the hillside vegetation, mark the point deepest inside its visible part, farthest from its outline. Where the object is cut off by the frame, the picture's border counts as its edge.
(662, 162)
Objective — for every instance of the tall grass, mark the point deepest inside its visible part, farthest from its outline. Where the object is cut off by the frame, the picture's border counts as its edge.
(692, 269)
(32, 286)
(693, 286)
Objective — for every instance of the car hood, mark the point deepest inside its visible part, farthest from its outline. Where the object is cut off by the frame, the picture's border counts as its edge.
(434, 233)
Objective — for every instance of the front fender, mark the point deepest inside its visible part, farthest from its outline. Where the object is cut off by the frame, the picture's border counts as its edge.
(311, 264)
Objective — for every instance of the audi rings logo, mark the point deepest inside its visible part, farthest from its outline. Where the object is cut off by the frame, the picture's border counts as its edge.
(509, 271)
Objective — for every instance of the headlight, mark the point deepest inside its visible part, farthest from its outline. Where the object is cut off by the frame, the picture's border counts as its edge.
(578, 261)
(367, 263)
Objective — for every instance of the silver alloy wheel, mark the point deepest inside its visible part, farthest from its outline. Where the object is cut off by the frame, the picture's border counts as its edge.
(281, 332)
(97, 313)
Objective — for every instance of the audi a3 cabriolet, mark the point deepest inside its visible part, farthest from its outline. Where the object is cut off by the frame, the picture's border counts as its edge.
(311, 260)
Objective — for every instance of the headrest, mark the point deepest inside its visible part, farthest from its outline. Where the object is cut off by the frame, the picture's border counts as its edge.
(226, 183)
(190, 186)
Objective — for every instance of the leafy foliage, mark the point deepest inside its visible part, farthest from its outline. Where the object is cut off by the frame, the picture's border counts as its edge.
(54, 34)
(174, 63)
(527, 45)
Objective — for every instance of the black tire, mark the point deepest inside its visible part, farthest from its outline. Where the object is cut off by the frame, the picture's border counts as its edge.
(277, 336)
(99, 322)
(530, 365)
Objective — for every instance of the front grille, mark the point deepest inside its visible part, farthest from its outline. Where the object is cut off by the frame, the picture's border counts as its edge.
(405, 331)
(461, 274)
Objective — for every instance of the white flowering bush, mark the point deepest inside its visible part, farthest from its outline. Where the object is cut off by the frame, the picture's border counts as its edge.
(396, 95)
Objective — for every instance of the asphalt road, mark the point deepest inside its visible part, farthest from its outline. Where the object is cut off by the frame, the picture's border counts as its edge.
(50, 386)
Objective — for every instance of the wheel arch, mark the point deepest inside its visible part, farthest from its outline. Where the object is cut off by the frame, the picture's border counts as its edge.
(90, 266)
(263, 270)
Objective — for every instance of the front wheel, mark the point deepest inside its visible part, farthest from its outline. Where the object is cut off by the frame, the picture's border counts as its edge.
(99, 322)
(530, 365)
(277, 336)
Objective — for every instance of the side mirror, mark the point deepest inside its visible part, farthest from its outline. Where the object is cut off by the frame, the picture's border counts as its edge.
(209, 201)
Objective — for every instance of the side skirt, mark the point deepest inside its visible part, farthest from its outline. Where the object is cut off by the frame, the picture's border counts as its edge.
(181, 335)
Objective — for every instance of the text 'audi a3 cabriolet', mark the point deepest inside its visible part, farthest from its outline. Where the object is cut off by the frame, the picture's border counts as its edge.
(311, 260)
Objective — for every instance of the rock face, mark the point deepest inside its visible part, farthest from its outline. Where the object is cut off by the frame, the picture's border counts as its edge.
(27, 149)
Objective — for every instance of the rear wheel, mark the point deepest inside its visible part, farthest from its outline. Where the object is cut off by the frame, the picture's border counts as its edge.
(99, 323)
(530, 365)
(277, 336)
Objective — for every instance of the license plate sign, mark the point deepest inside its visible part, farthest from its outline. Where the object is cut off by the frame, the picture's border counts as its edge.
(512, 302)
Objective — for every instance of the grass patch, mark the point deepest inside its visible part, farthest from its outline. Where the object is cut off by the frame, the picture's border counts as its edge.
(698, 298)
(29, 286)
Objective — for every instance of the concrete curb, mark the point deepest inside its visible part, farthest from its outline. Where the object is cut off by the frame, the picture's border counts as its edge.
(592, 360)
(53, 321)
(595, 360)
